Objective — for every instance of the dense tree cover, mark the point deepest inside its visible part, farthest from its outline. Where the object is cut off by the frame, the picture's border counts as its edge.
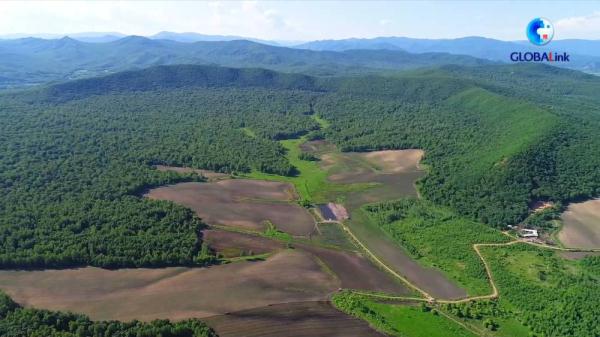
(544, 218)
(493, 141)
(16, 321)
(357, 305)
(438, 237)
(31, 60)
(549, 294)
(397, 319)
(74, 157)
(71, 173)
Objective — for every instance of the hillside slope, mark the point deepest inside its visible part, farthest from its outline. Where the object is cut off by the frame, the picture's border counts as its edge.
(585, 54)
(30, 60)
(76, 155)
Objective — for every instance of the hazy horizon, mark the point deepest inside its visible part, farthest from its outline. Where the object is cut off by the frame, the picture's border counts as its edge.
(301, 21)
(76, 35)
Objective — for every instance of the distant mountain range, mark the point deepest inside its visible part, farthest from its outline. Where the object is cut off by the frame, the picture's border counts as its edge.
(96, 37)
(31, 60)
(585, 54)
(26, 61)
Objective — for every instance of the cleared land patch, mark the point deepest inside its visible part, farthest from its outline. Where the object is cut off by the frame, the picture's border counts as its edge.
(210, 175)
(365, 166)
(395, 172)
(241, 203)
(305, 319)
(175, 293)
(356, 272)
(231, 244)
(581, 227)
(351, 269)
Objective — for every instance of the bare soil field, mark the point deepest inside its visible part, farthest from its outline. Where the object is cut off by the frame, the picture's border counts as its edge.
(431, 280)
(396, 172)
(305, 319)
(210, 175)
(355, 167)
(175, 293)
(355, 271)
(317, 146)
(333, 212)
(231, 244)
(539, 205)
(393, 161)
(581, 227)
(241, 203)
(577, 255)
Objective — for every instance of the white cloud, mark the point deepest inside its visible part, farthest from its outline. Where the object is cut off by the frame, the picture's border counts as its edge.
(583, 27)
(247, 18)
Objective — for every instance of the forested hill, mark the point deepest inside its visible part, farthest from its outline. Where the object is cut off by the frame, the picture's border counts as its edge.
(585, 54)
(177, 76)
(34, 61)
(76, 155)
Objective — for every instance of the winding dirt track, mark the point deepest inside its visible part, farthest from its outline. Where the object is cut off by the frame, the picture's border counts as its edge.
(428, 297)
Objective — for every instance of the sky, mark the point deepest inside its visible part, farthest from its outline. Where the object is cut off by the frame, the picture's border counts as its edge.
(303, 20)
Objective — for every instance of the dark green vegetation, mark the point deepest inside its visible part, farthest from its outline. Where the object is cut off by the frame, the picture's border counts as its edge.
(75, 158)
(76, 155)
(16, 321)
(30, 61)
(399, 320)
(550, 295)
(70, 171)
(492, 142)
(439, 238)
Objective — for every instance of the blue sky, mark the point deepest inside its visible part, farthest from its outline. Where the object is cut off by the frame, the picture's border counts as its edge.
(304, 20)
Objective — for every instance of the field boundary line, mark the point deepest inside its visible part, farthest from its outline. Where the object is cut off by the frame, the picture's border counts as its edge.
(383, 265)
(427, 297)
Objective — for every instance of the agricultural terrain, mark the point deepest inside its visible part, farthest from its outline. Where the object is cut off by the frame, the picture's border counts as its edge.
(246, 196)
(581, 225)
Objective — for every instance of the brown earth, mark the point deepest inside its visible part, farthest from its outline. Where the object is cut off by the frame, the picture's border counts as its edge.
(393, 161)
(232, 244)
(210, 175)
(356, 272)
(352, 269)
(578, 255)
(396, 172)
(333, 212)
(241, 203)
(305, 319)
(431, 280)
(581, 227)
(174, 293)
(317, 146)
(539, 205)
(354, 167)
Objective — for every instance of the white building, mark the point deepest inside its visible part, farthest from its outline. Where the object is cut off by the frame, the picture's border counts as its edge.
(528, 233)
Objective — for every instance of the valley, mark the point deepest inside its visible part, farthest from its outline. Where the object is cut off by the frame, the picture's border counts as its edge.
(197, 194)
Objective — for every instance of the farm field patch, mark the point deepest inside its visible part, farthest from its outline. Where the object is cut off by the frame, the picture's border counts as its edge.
(581, 225)
(304, 319)
(210, 175)
(174, 293)
(356, 272)
(232, 244)
(241, 203)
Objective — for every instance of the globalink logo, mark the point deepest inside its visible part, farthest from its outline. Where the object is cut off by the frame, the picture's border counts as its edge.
(540, 32)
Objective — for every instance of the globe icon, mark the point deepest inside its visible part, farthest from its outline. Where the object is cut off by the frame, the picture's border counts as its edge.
(540, 31)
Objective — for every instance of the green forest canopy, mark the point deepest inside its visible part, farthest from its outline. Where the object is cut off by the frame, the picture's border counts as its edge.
(75, 156)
